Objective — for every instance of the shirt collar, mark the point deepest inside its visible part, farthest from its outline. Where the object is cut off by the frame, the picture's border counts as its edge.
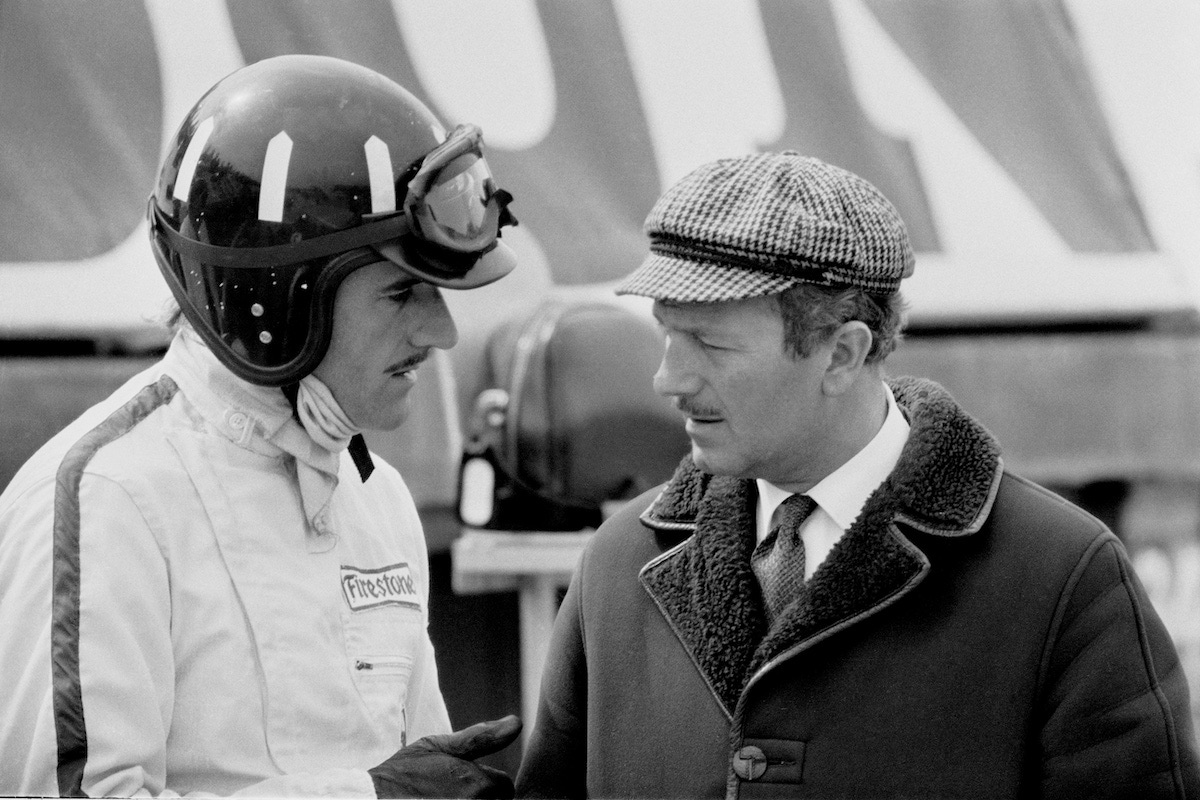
(842, 493)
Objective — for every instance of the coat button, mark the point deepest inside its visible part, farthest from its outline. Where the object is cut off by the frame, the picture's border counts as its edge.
(749, 763)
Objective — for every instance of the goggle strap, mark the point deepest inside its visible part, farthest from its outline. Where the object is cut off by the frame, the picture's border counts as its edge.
(383, 229)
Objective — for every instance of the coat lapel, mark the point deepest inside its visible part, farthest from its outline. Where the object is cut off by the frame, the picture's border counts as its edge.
(943, 485)
(870, 567)
(704, 586)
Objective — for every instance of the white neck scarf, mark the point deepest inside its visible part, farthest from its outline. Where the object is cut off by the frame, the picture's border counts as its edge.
(321, 415)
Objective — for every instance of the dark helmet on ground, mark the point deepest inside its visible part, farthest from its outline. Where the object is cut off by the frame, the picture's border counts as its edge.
(291, 173)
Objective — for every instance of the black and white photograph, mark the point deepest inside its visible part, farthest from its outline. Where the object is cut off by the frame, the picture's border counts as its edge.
(600, 398)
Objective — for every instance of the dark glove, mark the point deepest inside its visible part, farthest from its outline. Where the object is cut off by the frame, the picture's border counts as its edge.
(444, 765)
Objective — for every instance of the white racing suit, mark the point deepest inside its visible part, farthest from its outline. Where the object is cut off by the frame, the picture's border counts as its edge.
(196, 598)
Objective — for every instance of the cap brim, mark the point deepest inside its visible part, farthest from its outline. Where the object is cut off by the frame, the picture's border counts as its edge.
(682, 281)
(491, 266)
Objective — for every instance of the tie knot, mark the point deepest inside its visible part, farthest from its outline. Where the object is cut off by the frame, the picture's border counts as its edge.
(793, 511)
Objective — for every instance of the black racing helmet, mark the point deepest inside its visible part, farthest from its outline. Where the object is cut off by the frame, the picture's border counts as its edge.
(291, 173)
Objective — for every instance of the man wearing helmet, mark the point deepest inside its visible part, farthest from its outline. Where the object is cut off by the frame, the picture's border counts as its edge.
(203, 590)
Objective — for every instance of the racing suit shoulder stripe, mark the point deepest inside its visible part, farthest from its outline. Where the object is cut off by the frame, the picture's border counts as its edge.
(64, 635)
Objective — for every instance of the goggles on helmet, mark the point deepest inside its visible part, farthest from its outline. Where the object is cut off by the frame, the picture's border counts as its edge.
(451, 218)
(453, 201)
(453, 211)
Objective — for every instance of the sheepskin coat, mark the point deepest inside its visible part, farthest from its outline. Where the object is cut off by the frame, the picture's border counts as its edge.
(971, 635)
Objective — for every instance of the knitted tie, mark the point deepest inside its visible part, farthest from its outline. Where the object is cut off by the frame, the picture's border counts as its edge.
(778, 560)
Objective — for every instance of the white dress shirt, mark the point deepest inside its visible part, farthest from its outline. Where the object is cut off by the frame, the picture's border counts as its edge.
(841, 494)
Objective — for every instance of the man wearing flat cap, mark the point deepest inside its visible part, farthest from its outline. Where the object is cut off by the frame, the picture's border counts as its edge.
(841, 591)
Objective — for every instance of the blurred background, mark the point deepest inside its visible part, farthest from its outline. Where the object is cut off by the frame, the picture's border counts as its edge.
(1045, 155)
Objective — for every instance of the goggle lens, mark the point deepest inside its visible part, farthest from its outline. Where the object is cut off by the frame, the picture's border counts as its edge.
(458, 206)
(453, 201)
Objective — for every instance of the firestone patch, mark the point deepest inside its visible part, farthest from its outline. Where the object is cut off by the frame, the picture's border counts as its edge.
(371, 588)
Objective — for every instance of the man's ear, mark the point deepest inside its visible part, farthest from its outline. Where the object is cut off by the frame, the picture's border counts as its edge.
(850, 344)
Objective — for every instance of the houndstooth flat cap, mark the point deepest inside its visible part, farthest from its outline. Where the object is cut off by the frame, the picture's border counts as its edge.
(759, 224)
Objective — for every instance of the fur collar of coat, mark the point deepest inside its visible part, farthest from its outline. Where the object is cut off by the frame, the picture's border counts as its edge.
(943, 485)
